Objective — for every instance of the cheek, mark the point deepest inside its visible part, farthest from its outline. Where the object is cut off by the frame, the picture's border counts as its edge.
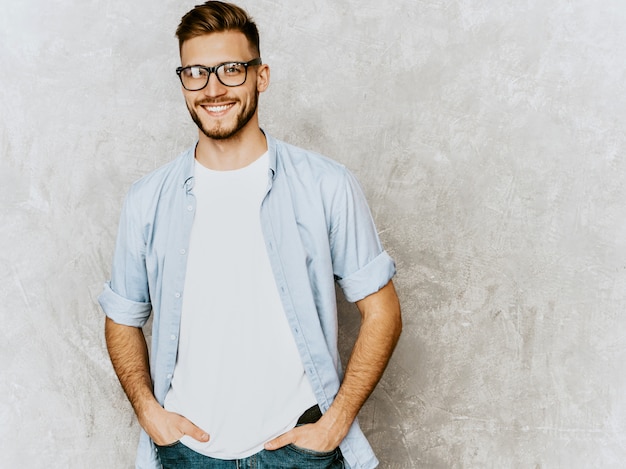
(187, 99)
(190, 105)
(190, 96)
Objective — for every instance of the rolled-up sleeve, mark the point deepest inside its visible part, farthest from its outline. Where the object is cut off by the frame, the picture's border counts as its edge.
(122, 310)
(369, 279)
(126, 298)
(360, 264)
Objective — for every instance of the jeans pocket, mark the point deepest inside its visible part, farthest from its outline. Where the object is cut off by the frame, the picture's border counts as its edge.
(312, 453)
(170, 455)
(171, 445)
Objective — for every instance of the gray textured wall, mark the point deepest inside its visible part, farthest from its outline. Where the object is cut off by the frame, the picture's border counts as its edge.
(489, 137)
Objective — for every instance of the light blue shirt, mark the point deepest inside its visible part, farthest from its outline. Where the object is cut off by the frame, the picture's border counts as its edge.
(317, 228)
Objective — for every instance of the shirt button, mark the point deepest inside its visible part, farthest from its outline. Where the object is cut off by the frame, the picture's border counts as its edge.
(182, 251)
(190, 207)
(173, 337)
(169, 376)
(177, 295)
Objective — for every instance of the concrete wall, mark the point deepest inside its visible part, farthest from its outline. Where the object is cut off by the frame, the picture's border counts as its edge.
(489, 138)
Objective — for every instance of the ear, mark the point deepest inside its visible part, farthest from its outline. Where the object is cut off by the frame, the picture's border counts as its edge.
(262, 77)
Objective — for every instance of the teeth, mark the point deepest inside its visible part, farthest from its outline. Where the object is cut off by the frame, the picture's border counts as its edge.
(217, 108)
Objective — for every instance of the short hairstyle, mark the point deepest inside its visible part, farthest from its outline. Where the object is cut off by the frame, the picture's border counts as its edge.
(215, 17)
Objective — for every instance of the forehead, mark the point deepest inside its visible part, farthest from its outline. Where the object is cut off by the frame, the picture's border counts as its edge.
(215, 48)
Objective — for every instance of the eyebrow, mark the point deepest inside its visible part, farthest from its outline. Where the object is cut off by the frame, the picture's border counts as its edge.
(221, 63)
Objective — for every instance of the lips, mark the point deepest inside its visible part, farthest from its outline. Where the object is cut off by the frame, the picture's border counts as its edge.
(216, 108)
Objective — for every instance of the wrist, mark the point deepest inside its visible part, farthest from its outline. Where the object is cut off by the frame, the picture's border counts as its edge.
(147, 410)
(336, 424)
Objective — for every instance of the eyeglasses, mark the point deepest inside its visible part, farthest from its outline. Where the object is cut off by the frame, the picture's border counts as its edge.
(196, 77)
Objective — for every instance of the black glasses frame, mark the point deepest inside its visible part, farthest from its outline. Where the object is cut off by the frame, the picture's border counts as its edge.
(214, 70)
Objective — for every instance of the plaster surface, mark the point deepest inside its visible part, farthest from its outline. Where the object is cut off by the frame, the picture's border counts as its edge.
(489, 138)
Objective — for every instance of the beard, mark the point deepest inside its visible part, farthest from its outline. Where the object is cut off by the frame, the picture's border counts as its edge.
(220, 132)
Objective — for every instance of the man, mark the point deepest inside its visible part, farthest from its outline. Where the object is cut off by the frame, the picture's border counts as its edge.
(235, 247)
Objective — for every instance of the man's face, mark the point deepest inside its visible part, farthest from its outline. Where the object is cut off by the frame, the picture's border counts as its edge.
(219, 111)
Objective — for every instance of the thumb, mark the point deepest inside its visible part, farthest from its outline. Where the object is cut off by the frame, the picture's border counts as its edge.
(279, 442)
(189, 429)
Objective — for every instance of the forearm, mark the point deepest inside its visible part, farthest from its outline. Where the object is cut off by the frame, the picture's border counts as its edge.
(129, 356)
(379, 333)
(377, 338)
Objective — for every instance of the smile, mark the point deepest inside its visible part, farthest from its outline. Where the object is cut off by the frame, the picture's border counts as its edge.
(218, 109)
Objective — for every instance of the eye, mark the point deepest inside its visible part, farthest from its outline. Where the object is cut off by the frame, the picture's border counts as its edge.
(194, 72)
(233, 68)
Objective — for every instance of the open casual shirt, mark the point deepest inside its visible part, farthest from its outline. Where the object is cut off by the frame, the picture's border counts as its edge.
(317, 228)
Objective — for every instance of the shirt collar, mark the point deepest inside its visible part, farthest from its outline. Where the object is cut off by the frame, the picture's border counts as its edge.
(188, 170)
(271, 149)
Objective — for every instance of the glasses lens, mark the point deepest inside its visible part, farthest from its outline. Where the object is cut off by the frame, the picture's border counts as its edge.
(232, 74)
(193, 78)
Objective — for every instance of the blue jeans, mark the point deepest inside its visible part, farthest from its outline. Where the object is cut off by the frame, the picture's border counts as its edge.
(178, 456)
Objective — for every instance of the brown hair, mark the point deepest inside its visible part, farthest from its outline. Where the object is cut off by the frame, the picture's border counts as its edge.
(215, 17)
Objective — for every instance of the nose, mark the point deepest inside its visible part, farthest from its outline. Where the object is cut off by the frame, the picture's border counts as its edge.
(214, 87)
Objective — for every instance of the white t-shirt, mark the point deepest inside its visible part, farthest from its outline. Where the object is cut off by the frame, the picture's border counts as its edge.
(238, 374)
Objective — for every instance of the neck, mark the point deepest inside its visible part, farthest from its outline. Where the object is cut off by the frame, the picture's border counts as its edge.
(233, 153)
